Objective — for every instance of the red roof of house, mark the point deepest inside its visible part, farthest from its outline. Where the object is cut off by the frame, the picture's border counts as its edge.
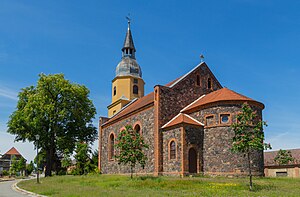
(223, 94)
(270, 155)
(182, 118)
(12, 151)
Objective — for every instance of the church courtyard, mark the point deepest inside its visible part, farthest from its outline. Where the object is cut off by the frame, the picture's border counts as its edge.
(116, 185)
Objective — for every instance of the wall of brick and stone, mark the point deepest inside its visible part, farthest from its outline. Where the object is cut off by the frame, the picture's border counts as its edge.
(217, 155)
(172, 166)
(146, 118)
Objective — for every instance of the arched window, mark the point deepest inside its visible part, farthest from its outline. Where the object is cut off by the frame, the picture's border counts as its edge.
(137, 128)
(198, 80)
(115, 91)
(111, 145)
(135, 89)
(209, 83)
(172, 149)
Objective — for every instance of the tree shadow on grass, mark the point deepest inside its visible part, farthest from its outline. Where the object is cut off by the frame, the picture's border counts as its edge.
(265, 187)
(153, 178)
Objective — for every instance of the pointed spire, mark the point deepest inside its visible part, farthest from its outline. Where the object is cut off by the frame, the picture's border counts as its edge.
(128, 47)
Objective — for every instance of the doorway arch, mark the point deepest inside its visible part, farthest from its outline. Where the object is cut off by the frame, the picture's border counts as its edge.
(192, 160)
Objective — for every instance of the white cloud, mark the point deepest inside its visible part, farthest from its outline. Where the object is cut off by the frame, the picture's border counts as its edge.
(8, 93)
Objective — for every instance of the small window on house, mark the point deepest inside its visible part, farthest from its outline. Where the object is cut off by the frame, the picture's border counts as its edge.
(224, 118)
(135, 81)
(209, 120)
(137, 129)
(172, 149)
(115, 91)
(209, 85)
(114, 112)
(281, 174)
(111, 146)
(198, 80)
(135, 89)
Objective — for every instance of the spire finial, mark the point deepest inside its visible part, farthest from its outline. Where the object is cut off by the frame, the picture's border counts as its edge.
(201, 58)
(128, 20)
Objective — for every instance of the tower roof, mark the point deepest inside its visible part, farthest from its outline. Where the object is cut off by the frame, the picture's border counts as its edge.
(128, 42)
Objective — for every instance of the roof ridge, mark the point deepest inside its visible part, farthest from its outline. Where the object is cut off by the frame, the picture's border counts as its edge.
(171, 120)
(181, 111)
(193, 119)
(186, 75)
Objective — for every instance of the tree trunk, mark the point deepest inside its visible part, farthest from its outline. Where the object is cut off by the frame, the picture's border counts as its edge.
(250, 173)
(131, 171)
(49, 161)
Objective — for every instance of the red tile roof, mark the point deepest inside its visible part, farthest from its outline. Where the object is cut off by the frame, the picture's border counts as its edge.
(182, 118)
(223, 94)
(12, 151)
(133, 106)
(136, 104)
(269, 157)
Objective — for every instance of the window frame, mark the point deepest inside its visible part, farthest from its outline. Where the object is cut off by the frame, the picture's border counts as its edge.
(110, 151)
(135, 87)
(229, 118)
(170, 151)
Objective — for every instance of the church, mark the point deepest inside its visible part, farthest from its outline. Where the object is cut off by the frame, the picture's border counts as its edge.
(186, 123)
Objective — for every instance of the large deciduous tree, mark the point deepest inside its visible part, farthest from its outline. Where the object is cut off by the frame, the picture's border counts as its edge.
(249, 135)
(59, 111)
(131, 148)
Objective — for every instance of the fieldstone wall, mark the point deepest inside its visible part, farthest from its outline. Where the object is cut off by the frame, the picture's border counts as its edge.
(174, 99)
(172, 166)
(217, 155)
(146, 119)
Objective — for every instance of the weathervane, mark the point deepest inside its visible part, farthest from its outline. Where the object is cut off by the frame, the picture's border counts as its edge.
(202, 58)
(128, 20)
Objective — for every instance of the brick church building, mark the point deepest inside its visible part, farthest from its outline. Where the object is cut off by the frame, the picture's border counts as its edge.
(186, 123)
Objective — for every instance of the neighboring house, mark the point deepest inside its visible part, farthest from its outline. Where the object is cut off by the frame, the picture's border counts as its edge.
(273, 169)
(186, 123)
(6, 159)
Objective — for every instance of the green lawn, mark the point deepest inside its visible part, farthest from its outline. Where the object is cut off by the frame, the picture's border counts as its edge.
(114, 185)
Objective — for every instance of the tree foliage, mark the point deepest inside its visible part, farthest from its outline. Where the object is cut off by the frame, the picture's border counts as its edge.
(284, 157)
(66, 160)
(248, 135)
(131, 148)
(84, 163)
(59, 111)
(29, 168)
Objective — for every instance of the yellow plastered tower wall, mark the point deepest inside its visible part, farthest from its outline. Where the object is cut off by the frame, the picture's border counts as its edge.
(128, 83)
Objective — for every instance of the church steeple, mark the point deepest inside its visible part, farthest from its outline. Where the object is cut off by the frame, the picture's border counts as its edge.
(128, 47)
(128, 83)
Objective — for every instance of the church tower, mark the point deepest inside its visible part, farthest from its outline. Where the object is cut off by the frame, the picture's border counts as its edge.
(128, 83)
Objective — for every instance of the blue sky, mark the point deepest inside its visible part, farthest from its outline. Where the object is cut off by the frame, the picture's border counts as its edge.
(251, 46)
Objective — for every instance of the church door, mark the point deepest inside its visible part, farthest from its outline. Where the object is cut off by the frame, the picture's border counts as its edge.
(192, 161)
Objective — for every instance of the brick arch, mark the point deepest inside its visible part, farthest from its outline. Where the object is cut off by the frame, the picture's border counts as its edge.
(195, 147)
(169, 148)
(140, 124)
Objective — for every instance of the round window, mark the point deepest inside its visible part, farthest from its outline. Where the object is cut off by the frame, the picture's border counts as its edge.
(225, 118)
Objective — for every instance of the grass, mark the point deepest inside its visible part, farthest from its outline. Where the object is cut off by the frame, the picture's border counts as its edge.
(115, 185)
